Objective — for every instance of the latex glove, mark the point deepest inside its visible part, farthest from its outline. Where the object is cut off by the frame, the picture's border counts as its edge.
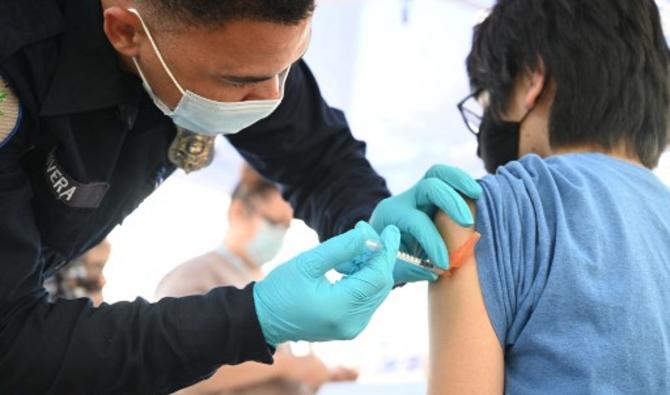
(296, 301)
(413, 211)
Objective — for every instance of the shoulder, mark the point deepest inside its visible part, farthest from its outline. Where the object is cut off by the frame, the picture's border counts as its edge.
(524, 191)
(196, 276)
(543, 189)
(547, 175)
(518, 177)
(25, 22)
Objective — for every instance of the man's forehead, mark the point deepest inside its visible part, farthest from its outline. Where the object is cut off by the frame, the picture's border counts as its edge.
(246, 49)
(244, 73)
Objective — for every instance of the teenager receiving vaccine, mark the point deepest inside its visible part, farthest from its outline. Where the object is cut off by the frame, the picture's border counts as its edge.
(567, 292)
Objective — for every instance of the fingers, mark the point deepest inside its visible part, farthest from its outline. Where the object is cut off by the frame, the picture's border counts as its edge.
(422, 228)
(377, 274)
(457, 179)
(348, 268)
(338, 250)
(433, 191)
(365, 290)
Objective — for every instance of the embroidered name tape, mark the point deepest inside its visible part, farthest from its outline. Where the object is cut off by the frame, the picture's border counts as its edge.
(71, 192)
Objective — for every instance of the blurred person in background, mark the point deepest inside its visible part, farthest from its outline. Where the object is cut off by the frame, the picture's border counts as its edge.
(258, 220)
(82, 277)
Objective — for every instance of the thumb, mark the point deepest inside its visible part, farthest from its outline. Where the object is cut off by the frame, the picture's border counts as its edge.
(338, 250)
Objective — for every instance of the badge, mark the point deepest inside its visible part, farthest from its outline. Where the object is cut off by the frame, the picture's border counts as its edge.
(10, 113)
(191, 151)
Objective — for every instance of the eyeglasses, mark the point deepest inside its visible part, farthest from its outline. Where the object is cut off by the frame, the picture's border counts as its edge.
(472, 111)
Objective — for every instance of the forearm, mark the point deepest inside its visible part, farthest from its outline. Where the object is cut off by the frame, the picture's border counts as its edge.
(129, 348)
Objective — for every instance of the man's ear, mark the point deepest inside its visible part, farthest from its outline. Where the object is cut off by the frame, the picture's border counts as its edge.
(122, 28)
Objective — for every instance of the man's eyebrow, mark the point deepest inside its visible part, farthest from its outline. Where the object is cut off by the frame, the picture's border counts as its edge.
(247, 79)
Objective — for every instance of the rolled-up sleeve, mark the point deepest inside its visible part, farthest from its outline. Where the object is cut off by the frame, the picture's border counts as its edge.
(510, 217)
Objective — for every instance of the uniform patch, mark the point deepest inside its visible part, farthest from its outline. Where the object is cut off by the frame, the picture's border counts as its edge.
(69, 191)
(10, 113)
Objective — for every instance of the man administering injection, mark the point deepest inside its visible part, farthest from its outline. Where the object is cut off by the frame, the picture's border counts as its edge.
(104, 99)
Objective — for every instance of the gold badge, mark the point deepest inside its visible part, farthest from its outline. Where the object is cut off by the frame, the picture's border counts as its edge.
(191, 151)
(10, 112)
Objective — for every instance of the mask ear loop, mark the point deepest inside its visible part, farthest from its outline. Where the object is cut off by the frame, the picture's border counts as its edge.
(157, 51)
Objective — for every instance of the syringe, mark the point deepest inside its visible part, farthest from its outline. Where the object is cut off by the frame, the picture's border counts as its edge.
(407, 258)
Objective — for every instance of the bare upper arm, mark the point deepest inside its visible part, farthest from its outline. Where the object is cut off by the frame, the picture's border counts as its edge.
(465, 354)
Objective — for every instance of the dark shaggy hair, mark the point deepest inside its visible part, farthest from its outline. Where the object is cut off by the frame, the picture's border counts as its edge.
(608, 58)
(252, 187)
(210, 13)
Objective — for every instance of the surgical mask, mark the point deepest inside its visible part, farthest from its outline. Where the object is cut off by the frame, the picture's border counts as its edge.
(205, 116)
(498, 142)
(266, 244)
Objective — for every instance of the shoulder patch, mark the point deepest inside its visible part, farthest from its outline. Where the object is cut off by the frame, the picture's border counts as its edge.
(10, 113)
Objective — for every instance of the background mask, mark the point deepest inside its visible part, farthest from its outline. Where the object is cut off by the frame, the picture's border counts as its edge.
(266, 244)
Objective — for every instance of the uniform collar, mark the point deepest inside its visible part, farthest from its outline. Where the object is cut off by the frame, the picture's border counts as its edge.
(88, 75)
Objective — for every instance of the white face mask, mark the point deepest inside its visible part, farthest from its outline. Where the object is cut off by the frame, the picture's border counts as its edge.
(204, 116)
(266, 244)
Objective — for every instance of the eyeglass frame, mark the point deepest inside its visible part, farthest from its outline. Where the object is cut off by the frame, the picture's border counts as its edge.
(462, 110)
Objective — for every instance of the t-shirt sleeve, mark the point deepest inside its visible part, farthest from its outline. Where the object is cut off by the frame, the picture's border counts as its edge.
(511, 255)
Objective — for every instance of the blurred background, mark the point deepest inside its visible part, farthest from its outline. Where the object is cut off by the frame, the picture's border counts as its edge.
(396, 67)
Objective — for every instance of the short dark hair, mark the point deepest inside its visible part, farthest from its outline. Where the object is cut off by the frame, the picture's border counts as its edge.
(608, 58)
(252, 187)
(218, 12)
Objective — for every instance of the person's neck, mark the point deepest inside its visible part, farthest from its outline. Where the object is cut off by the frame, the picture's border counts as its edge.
(238, 250)
(620, 152)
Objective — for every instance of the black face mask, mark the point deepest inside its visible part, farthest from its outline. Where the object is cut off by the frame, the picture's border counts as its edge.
(498, 142)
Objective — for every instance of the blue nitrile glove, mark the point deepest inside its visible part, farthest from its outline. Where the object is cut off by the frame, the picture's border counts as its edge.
(413, 211)
(296, 301)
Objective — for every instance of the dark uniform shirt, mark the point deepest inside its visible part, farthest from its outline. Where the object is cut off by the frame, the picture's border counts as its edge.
(88, 147)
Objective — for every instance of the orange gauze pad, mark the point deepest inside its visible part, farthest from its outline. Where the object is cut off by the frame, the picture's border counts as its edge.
(458, 258)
